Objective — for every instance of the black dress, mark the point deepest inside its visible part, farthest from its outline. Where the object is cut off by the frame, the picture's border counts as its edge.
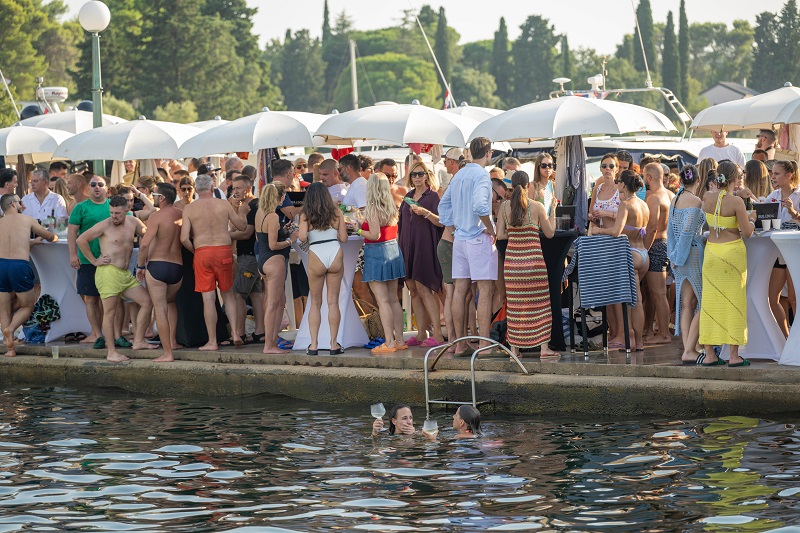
(191, 328)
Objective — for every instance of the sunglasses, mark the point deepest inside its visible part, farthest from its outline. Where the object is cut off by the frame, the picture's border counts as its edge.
(186, 189)
(617, 181)
(390, 176)
(546, 165)
(610, 165)
(301, 166)
(96, 184)
(417, 174)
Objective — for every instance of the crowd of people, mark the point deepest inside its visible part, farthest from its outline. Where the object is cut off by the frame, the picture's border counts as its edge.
(168, 248)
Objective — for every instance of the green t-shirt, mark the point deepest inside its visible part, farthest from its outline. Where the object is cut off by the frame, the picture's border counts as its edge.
(85, 215)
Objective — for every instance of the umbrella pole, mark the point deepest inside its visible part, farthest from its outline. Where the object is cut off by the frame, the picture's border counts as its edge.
(22, 175)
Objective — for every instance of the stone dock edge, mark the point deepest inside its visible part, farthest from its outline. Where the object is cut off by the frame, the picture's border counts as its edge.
(612, 390)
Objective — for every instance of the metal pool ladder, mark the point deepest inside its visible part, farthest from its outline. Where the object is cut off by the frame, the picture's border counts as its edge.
(441, 351)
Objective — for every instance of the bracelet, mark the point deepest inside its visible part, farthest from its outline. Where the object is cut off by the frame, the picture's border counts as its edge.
(140, 267)
(359, 232)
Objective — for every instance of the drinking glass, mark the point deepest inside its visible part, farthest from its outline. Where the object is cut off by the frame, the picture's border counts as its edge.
(377, 410)
(430, 427)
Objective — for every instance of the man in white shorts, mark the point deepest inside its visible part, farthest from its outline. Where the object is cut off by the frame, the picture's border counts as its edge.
(467, 207)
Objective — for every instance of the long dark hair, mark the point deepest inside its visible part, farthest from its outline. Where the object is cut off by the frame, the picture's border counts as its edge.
(519, 197)
(632, 181)
(318, 207)
(471, 417)
(393, 414)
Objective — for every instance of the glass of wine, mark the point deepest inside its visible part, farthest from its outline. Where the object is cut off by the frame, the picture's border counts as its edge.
(430, 427)
(377, 410)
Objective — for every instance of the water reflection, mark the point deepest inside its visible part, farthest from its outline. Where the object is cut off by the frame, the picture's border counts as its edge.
(89, 461)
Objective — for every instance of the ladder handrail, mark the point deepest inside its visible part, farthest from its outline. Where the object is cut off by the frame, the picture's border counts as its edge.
(443, 348)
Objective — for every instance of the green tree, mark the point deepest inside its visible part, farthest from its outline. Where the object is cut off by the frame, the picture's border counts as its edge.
(118, 107)
(181, 112)
(475, 87)
(789, 43)
(766, 65)
(442, 49)
(721, 54)
(565, 59)
(534, 55)
(645, 16)
(326, 23)
(625, 48)
(335, 55)
(301, 62)
(683, 53)
(477, 55)
(670, 71)
(21, 22)
(501, 67)
(394, 77)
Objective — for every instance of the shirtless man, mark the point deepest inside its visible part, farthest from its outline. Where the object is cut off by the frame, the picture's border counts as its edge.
(112, 277)
(658, 200)
(160, 250)
(16, 276)
(77, 185)
(205, 234)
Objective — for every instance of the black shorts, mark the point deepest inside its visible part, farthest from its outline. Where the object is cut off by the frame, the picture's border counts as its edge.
(659, 261)
(299, 280)
(86, 285)
(778, 264)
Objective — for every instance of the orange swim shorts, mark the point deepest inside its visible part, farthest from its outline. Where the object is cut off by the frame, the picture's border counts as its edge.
(213, 266)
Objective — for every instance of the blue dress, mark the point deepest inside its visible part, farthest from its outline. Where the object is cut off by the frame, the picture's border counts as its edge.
(685, 251)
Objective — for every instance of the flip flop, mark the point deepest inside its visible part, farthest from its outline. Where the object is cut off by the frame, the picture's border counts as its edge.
(382, 349)
(337, 351)
(613, 345)
(309, 351)
(743, 362)
(399, 347)
(719, 362)
(430, 342)
(70, 337)
(413, 341)
(699, 361)
(465, 353)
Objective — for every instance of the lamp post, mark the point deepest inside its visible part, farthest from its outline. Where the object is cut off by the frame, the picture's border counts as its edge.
(94, 17)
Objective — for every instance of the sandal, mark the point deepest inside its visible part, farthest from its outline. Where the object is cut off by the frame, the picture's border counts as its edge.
(398, 346)
(99, 344)
(413, 341)
(720, 362)
(430, 342)
(743, 362)
(382, 349)
(228, 343)
(256, 339)
(122, 342)
(337, 351)
(309, 351)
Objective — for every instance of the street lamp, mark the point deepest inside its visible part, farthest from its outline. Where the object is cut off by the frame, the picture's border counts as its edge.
(94, 17)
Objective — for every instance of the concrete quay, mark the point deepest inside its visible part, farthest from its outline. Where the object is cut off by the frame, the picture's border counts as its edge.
(653, 383)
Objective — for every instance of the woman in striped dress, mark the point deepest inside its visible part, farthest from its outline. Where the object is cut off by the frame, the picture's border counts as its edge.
(527, 291)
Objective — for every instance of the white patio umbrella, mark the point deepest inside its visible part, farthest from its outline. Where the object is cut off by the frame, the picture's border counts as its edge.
(73, 121)
(23, 140)
(756, 112)
(209, 124)
(476, 113)
(267, 129)
(399, 124)
(137, 139)
(570, 115)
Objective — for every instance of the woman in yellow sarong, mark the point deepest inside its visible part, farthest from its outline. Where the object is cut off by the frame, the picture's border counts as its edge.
(723, 312)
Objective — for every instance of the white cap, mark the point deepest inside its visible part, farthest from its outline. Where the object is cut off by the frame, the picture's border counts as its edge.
(454, 153)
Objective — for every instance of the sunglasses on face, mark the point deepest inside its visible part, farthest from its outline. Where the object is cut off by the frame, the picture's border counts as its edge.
(546, 165)
(96, 184)
(610, 165)
(301, 165)
(417, 174)
(390, 176)
(186, 189)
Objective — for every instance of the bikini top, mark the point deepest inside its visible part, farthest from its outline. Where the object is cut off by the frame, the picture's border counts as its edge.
(612, 204)
(641, 231)
(719, 222)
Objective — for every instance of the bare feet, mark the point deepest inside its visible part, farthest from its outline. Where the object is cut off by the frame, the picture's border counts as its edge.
(209, 347)
(177, 346)
(144, 346)
(656, 341)
(116, 357)
(90, 339)
(8, 339)
(274, 349)
(164, 359)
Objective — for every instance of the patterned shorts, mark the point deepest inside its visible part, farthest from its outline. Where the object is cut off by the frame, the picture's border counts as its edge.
(659, 262)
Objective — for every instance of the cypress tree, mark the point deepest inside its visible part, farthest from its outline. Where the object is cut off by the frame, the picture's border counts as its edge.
(788, 44)
(535, 59)
(442, 49)
(645, 16)
(670, 72)
(683, 54)
(501, 62)
(566, 59)
(326, 23)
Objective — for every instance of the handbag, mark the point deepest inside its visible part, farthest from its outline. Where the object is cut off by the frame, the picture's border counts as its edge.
(370, 318)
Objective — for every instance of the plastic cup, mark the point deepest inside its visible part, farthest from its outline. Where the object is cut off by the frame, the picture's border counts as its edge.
(430, 427)
(776, 223)
(54, 351)
(766, 224)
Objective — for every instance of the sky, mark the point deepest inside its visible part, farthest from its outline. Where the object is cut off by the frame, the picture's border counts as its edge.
(587, 23)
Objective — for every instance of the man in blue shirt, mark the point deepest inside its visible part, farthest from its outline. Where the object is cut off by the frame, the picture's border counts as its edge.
(467, 207)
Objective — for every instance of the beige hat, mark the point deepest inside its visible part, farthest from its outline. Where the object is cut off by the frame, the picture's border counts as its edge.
(454, 153)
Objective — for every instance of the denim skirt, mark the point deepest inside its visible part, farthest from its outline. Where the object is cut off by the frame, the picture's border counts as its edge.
(383, 262)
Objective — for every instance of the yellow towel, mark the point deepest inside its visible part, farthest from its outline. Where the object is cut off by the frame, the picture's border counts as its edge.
(723, 312)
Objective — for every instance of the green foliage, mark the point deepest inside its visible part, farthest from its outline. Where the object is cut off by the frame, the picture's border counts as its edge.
(442, 49)
(670, 72)
(721, 54)
(645, 16)
(475, 87)
(301, 61)
(21, 22)
(534, 55)
(501, 67)
(326, 23)
(766, 69)
(395, 77)
(181, 112)
(118, 107)
(683, 53)
(477, 55)
(565, 59)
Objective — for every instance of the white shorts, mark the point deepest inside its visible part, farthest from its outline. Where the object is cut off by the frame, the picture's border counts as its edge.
(475, 259)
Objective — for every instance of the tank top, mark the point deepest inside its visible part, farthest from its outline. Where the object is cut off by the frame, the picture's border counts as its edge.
(264, 251)
(612, 204)
(388, 233)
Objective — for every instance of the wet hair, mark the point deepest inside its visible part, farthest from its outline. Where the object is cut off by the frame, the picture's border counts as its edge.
(7, 199)
(632, 181)
(689, 175)
(7, 175)
(791, 167)
(318, 207)
(471, 417)
(393, 414)
(168, 191)
(519, 197)
(727, 172)
(479, 147)
(118, 201)
(756, 178)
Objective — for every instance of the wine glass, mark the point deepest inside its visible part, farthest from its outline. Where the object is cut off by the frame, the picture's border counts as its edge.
(430, 427)
(377, 410)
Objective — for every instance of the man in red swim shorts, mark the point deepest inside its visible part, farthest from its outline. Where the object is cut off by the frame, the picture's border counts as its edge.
(205, 233)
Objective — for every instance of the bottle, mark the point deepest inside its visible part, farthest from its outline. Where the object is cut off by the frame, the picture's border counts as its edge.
(50, 222)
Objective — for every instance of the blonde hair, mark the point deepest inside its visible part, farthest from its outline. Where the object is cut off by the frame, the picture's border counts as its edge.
(60, 188)
(380, 203)
(431, 180)
(270, 197)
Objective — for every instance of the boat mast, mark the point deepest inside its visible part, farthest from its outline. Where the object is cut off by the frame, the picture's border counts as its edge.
(353, 76)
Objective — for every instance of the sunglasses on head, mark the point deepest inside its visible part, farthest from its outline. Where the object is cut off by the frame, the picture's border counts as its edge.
(609, 165)
(417, 174)
(546, 165)
(96, 184)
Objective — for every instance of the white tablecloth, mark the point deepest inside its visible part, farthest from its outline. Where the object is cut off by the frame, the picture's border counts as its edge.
(351, 330)
(764, 338)
(788, 242)
(58, 280)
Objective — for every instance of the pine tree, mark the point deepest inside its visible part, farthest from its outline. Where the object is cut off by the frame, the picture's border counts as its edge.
(534, 55)
(301, 62)
(683, 54)
(326, 24)
(670, 72)
(766, 71)
(501, 62)
(565, 59)
(645, 16)
(442, 49)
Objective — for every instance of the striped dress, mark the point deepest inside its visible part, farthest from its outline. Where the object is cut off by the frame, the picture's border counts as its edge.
(527, 291)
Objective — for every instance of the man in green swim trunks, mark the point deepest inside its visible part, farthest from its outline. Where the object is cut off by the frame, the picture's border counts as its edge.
(112, 278)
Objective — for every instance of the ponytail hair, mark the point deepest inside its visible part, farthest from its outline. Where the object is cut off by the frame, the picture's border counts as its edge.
(791, 168)
(632, 181)
(519, 197)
